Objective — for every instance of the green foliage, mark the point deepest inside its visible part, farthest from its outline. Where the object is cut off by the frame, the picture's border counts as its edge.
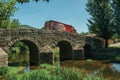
(19, 54)
(46, 66)
(11, 77)
(3, 71)
(14, 70)
(26, 27)
(12, 73)
(101, 21)
(42, 28)
(56, 51)
(71, 74)
(14, 24)
(116, 12)
(117, 58)
(114, 47)
(54, 74)
(89, 60)
(90, 77)
(42, 74)
(56, 55)
(117, 38)
(84, 33)
(7, 9)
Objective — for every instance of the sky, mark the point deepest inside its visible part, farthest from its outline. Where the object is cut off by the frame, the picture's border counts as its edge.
(70, 12)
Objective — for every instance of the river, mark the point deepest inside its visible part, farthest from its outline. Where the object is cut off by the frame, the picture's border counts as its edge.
(108, 70)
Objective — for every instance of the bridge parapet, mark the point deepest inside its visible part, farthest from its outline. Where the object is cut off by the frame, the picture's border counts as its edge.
(47, 37)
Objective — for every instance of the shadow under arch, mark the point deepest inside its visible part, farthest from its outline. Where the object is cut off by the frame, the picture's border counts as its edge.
(33, 52)
(88, 51)
(65, 52)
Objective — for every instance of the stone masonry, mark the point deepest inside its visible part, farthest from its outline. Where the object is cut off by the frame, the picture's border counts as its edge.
(3, 58)
(37, 39)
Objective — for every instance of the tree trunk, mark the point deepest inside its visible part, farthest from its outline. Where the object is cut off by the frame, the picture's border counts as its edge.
(106, 43)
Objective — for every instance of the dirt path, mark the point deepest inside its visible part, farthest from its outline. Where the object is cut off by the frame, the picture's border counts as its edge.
(115, 44)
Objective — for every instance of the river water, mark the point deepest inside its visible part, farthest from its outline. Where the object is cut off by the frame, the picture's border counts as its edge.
(108, 70)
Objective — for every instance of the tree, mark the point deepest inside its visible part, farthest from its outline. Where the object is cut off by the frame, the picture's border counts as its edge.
(19, 53)
(101, 21)
(26, 1)
(84, 33)
(7, 9)
(116, 12)
(15, 23)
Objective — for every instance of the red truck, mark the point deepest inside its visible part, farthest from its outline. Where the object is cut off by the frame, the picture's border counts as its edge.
(58, 26)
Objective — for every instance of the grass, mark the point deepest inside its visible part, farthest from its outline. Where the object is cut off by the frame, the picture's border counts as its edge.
(49, 72)
(54, 74)
(46, 66)
(114, 47)
(9, 73)
(56, 51)
(14, 70)
(89, 60)
(56, 55)
(3, 71)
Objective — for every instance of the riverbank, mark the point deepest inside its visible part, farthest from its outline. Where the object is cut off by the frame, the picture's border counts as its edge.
(105, 68)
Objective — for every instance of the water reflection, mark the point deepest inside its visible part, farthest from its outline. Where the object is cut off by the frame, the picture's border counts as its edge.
(27, 69)
(116, 66)
(108, 70)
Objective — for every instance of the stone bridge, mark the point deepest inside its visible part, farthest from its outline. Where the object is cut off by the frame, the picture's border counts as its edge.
(71, 46)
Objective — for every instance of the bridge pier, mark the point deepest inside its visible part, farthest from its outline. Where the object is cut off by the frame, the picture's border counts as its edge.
(3, 58)
(46, 55)
(78, 54)
(47, 58)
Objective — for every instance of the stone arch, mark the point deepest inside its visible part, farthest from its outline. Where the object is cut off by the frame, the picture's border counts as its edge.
(65, 50)
(88, 51)
(33, 50)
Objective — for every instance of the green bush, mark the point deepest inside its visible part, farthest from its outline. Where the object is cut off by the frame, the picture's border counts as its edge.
(3, 71)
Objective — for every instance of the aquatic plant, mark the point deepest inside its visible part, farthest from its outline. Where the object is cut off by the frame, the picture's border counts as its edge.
(71, 74)
(117, 58)
(54, 74)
